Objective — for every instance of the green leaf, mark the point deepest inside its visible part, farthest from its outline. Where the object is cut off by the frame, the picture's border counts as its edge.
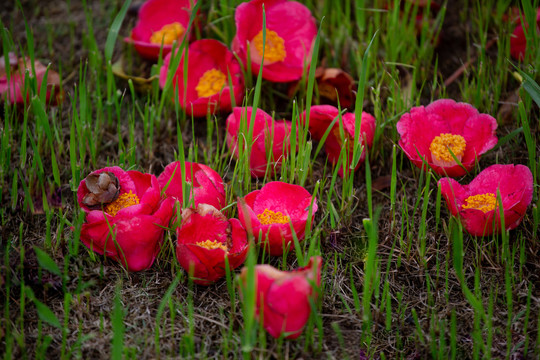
(46, 262)
(46, 314)
(113, 32)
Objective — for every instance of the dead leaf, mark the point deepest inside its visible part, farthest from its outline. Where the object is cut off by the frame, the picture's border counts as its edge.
(140, 83)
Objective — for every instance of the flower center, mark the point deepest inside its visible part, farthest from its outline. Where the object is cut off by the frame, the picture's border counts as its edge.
(274, 49)
(483, 202)
(210, 83)
(168, 34)
(123, 201)
(269, 217)
(212, 244)
(440, 149)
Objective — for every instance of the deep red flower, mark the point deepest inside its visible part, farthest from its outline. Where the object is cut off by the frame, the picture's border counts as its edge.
(205, 184)
(125, 215)
(518, 41)
(268, 212)
(266, 132)
(160, 21)
(14, 88)
(209, 63)
(283, 297)
(321, 117)
(205, 238)
(428, 132)
(290, 33)
(476, 203)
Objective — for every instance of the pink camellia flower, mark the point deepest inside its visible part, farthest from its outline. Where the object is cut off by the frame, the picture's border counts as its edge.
(290, 33)
(160, 22)
(125, 215)
(209, 63)
(267, 213)
(267, 133)
(14, 88)
(476, 203)
(206, 186)
(518, 41)
(283, 297)
(430, 133)
(205, 238)
(321, 117)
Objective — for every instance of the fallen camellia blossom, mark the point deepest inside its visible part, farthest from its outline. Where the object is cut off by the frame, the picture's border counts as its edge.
(518, 41)
(476, 204)
(283, 297)
(269, 212)
(290, 34)
(125, 215)
(160, 22)
(321, 117)
(429, 133)
(209, 63)
(206, 186)
(205, 238)
(14, 89)
(266, 133)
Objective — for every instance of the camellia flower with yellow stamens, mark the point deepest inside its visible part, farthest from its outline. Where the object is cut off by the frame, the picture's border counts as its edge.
(209, 65)
(290, 34)
(205, 184)
(125, 215)
(269, 212)
(267, 134)
(446, 131)
(283, 298)
(205, 238)
(160, 23)
(322, 116)
(476, 204)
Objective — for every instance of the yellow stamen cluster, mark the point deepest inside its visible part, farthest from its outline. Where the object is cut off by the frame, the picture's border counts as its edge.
(212, 244)
(270, 217)
(122, 201)
(483, 202)
(440, 145)
(168, 34)
(274, 49)
(210, 83)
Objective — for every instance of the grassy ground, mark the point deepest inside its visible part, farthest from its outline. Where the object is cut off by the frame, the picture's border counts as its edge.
(395, 283)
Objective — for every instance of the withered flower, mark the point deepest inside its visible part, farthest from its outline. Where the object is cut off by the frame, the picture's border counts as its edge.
(103, 189)
(334, 83)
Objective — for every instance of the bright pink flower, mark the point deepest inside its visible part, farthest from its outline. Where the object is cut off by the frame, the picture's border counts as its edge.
(283, 297)
(476, 203)
(205, 184)
(518, 41)
(268, 213)
(125, 215)
(160, 21)
(14, 89)
(205, 238)
(266, 132)
(321, 116)
(290, 33)
(209, 62)
(429, 132)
